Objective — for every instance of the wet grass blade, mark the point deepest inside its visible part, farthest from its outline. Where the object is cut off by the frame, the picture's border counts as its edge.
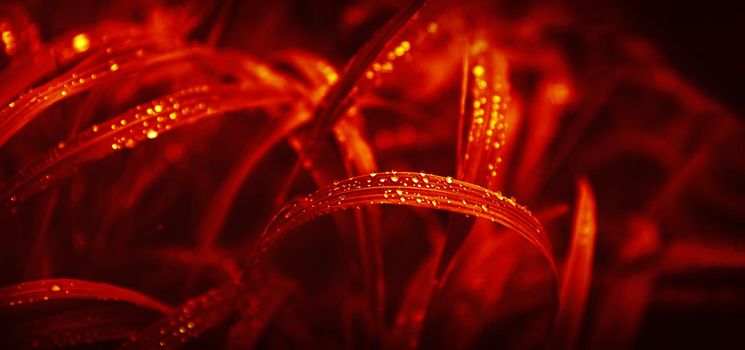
(410, 189)
(187, 322)
(42, 291)
(336, 101)
(146, 121)
(484, 98)
(92, 72)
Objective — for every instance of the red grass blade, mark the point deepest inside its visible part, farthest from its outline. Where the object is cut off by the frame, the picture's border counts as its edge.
(336, 101)
(58, 289)
(187, 322)
(89, 73)
(410, 189)
(575, 283)
(143, 122)
(484, 97)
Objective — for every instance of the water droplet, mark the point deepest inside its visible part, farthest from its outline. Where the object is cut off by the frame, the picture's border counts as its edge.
(478, 71)
(151, 134)
(449, 179)
(81, 43)
(55, 288)
(432, 27)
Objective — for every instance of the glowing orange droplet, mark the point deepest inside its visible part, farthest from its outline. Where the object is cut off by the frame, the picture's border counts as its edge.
(55, 288)
(478, 71)
(114, 67)
(9, 41)
(81, 43)
(151, 134)
(558, 93)
(432, 27)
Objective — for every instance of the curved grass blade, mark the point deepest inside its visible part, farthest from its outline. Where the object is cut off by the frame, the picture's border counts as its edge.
(146, 121)
(187, 322)
(575, 283)
(127, 60)
(57, 289)
(63, 51)
(410, 189)
(127, 57)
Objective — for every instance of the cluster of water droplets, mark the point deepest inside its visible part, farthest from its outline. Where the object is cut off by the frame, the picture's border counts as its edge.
(404, 188)
(87, 74)
(187, 322)
(144, 122)
(488, 99)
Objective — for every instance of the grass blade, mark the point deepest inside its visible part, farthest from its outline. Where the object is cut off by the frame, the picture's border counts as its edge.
(87, 74)
(575, 282)
(187, 322)
(484, 98)
(410, 189)
(336, 101)
(143, 122)
(42, 291)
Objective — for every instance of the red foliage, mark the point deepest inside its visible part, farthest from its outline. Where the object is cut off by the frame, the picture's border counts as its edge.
(174, 174)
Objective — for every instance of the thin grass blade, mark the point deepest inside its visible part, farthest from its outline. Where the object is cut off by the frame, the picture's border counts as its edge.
(575, 282)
